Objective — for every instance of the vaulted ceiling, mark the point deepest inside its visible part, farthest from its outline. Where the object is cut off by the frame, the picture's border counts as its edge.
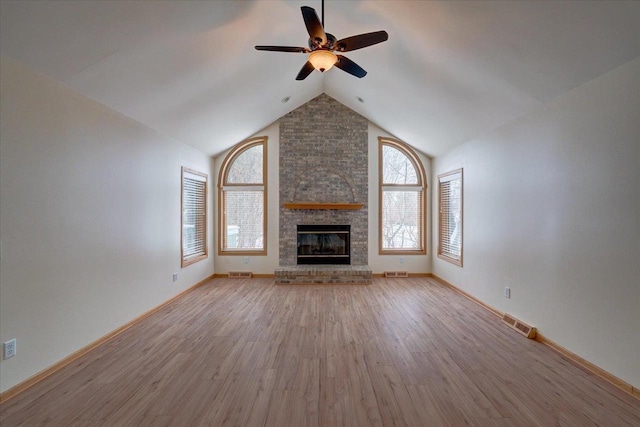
(450, 71)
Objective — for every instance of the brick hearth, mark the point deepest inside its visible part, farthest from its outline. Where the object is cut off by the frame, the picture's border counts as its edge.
(323, 274)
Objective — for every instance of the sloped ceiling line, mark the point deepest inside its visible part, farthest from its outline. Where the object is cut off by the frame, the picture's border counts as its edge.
(450, 71)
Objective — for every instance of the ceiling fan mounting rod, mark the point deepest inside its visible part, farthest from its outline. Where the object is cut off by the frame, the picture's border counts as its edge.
(322, 13)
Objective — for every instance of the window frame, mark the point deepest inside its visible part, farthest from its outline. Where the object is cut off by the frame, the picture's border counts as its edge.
(421, 187)
(440, 253)
(186, 261)
(222, 183)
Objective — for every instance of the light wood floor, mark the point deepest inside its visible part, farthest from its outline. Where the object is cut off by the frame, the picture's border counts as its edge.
(397, 352)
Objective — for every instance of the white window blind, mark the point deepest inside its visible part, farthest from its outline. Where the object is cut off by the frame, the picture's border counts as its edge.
(194, 216)
(450, 216)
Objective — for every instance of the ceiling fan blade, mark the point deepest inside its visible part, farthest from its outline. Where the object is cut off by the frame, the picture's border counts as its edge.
(314, 26)
(345, 64)
(283, 49)
(361, 40)
(305, 71)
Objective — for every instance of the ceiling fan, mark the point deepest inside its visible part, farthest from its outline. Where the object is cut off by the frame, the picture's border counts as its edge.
(322, 46)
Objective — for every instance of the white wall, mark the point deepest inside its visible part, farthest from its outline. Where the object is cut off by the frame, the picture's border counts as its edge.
(381, 263)
(258, 264)
(89, 220)
(551, 209)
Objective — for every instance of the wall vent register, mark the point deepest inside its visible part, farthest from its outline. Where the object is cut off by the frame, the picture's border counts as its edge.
(519, 326)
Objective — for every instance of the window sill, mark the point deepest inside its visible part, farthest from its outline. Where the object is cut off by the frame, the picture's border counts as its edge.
(242, 253)
(455, 261)
(402, 252)
(193, 260)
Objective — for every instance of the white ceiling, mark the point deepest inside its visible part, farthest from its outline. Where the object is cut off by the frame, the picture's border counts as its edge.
(450, 71)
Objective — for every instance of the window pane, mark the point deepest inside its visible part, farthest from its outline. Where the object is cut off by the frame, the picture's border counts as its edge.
(244, 214)
(401, 213)
(247, 167)
(397, 168)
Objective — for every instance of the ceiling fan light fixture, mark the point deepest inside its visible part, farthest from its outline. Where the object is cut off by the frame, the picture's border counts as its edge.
(322, 60)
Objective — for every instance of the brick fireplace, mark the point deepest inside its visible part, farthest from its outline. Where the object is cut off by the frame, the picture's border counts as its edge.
(323, 160)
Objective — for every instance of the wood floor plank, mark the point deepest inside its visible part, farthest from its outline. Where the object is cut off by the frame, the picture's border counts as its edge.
(338, 403)
(394, 401)
(406, 352)
(261, 399)
(191, 408)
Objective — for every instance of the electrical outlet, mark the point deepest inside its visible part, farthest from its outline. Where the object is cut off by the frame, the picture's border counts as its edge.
(246, 260)
(175, 277)
(9, 349)
(401, 260)
(507, 292)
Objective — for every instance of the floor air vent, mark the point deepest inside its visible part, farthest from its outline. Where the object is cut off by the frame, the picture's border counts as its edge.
(519, 326)
(396, 274)
(240, 274)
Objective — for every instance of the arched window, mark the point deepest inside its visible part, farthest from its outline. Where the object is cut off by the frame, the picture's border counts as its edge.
(242, 196)
(402, 199)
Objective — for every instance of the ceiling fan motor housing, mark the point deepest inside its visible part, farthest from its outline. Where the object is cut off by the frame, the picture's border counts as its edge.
(316, 44)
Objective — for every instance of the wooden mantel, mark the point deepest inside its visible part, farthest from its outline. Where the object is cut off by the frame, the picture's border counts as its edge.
(322, 205)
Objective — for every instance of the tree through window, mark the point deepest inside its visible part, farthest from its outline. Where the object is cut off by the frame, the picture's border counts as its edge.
(402, 189)
(242, 197)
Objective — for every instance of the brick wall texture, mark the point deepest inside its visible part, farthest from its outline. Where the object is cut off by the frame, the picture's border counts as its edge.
(323, 158)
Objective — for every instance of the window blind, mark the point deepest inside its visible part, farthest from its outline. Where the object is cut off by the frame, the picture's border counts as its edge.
(194, 215)
(450, 216)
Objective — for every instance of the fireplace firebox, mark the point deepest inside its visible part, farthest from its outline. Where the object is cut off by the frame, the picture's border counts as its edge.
(324, 244)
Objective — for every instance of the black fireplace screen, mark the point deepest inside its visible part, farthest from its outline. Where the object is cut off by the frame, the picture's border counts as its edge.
(323, 244)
